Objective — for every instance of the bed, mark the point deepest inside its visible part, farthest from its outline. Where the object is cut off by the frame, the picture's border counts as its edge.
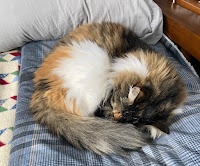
(33, 144)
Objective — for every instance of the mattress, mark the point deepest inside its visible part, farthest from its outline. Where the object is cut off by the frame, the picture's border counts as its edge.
(34, 144)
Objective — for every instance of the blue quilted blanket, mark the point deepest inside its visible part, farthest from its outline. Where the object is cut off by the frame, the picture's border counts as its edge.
(33, 144)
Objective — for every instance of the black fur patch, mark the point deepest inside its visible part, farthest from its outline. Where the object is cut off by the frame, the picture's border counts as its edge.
(43, 85)
(99, 113)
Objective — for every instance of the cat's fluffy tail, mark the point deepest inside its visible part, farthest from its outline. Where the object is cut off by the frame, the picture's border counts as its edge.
(98, 135)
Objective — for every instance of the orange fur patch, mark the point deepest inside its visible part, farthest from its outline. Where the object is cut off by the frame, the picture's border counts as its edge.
(76, 110)
(56, 94)
(83, 32)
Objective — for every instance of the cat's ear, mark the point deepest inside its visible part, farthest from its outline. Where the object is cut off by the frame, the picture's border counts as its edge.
(133, 93)
(162, 126)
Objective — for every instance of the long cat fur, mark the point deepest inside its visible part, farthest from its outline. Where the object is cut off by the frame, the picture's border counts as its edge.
(54, 105)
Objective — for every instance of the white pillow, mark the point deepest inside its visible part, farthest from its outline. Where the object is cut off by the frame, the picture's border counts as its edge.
(22, 21)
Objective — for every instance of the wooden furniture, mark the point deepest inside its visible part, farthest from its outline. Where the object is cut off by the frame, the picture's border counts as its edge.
(182, 25)
(192, 5)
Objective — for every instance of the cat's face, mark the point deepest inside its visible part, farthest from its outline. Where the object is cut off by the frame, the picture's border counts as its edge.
(144, 102)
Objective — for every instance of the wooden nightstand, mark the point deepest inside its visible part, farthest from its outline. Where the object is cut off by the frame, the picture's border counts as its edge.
(182, 26)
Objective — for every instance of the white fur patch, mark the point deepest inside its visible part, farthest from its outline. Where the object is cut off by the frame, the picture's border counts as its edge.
(155, 132)
(133, 93)
(130, 63)
(177, 111)
(86, 76)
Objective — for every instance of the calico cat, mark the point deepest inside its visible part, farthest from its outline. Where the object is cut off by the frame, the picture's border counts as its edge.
(105, 70)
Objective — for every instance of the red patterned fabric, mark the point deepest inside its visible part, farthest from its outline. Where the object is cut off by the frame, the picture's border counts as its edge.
(9, 71)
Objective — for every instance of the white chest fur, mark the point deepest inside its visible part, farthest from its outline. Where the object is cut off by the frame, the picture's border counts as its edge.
(86, 76)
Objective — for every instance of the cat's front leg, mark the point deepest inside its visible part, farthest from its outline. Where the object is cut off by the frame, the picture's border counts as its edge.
(104, 112)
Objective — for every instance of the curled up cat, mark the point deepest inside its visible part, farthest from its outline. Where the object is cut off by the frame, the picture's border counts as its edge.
(103, 89)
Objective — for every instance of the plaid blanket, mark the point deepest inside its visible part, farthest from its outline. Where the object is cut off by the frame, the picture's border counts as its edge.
(9, 71)
(34, 144)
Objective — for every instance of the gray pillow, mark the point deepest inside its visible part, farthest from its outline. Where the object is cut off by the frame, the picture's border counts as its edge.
(23, 21)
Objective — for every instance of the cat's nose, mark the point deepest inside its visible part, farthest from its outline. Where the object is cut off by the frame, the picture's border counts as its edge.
(117, 114)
